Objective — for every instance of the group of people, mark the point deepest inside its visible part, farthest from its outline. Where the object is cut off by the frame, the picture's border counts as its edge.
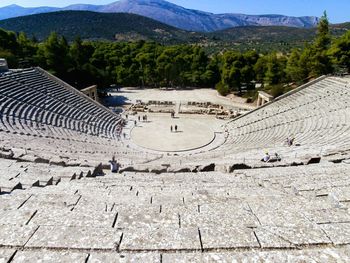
(173, 129)
(143, 118)
(267, 158)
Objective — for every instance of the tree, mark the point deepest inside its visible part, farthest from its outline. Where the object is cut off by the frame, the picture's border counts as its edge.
(260, 68)
(231, 69)
(26, 50)
(293, 69)
(212, 74)
(340, 51)
(320, 62)
(8, 41)
(53, 54)
(274, 69)
(79, 73)
(305, 62)
(9, 47)
(247, 72)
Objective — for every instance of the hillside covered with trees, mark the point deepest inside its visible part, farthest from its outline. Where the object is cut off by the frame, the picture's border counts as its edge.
(150, 64)
(96, 26)
(123, 27)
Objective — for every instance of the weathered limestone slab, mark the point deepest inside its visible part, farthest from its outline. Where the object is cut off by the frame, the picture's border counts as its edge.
(179, 209)
(160, 238)
(59, 217)
(15, 235)
(13, 201)
(338, 233)
(124, 257)
(167, 198)
(268, 239)
(75, 237)
(6, 163)
(289, 217)
(342, 193)
(325, 216)
(233, 237)
(146, 218)
(46, 256)
(7, 186)
(6, 254)
(17, 217)
(301, 234)
(224, 215)
(330, 254)
(96, 206)
(59, 200)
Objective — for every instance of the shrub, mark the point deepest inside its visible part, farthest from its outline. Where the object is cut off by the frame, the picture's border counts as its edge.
(222, 89)
(276, 91)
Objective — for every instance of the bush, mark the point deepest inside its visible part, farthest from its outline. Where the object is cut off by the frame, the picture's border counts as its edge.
(277, 91)
(223, 89)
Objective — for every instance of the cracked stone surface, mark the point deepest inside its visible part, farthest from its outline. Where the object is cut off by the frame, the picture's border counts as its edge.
(6, 254)
(153, 213)
(46, 256)
(124, 257)
(75, 237)
(15, 235)
(233, 237)
(338, 233)
(162, 238)
(306, 255)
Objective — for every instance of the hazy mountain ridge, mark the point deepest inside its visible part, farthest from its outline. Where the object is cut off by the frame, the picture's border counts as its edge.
(174, 15)
(93, 26)
(16, 11)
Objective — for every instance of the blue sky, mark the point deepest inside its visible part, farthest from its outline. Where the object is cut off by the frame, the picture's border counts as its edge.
(338, 10)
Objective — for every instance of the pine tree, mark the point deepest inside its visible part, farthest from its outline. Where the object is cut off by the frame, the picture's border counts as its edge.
(340, 51)
(293, 69)
(320, 61)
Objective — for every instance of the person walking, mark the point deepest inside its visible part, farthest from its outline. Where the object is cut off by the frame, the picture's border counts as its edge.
(175, 128)
(171, 128)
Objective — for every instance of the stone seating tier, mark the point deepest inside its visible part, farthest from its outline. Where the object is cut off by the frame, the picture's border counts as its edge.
(32, 95)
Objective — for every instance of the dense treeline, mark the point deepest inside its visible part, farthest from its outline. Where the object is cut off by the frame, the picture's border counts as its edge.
(149, 64)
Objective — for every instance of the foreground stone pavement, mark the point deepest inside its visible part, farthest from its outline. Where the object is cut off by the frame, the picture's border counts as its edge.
(287, 214)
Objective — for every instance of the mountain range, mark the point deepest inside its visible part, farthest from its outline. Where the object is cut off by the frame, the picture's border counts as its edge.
(171, 14)
(97, 26)
(130, 27)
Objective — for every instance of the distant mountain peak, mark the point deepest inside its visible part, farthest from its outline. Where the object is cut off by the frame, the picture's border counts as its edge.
(174, 15)
(13, 5)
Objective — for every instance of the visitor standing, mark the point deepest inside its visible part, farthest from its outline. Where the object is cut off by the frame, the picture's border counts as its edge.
(114, 165)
